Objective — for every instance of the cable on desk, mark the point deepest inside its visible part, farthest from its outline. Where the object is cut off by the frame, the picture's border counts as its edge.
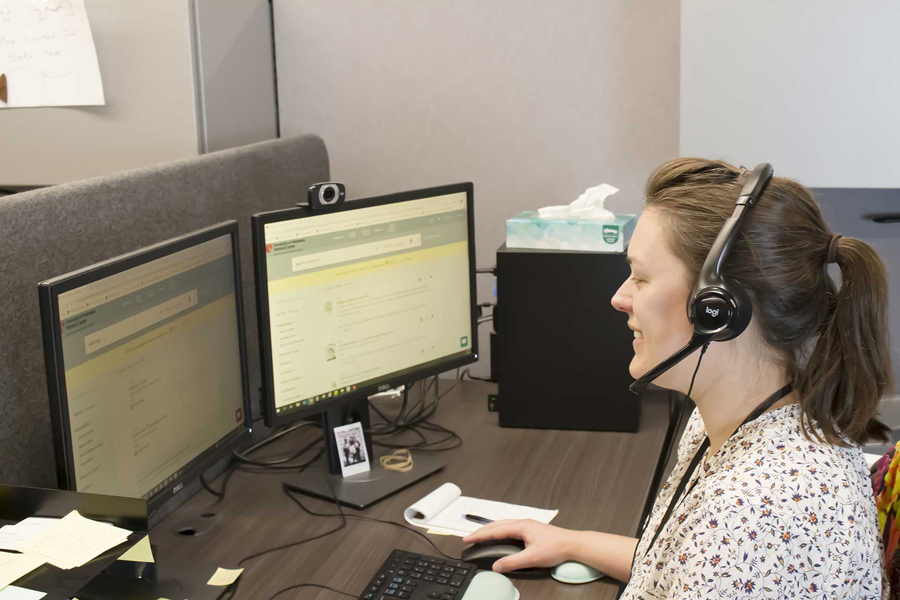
(290, 488)
(221, 494)
(286, 489)
(313, 585)
(242, 456)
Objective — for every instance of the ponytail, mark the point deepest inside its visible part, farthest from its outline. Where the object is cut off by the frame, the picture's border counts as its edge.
(849, 368)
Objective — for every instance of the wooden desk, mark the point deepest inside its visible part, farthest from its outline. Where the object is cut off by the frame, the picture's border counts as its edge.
(597, 481)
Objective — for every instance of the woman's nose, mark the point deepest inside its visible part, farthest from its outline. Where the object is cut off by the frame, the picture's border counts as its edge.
(622, 299)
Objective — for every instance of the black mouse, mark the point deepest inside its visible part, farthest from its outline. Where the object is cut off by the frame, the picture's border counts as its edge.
(484, 554)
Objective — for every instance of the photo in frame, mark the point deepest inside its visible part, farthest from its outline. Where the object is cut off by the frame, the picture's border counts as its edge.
(351, 446)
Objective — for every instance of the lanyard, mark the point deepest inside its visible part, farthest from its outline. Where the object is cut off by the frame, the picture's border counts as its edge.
(681, 492)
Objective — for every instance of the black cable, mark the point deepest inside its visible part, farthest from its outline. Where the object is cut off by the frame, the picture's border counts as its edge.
(275, 436)
(417, 418)
(221, 494)
(279, 464)
(285, 487)
(285, 468)
(466, 374)
(312, 585)
(290, 488)
(240, 457)
(664, 453)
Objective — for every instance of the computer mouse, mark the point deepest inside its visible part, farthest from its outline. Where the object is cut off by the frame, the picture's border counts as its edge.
(575, 572)
(488, 585)
(485, 554)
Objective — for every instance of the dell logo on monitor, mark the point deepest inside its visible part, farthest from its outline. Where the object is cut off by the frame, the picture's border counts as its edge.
(178, 488)
(385, 387)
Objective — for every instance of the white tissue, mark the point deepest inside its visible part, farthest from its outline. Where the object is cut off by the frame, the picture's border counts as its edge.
(589, 205)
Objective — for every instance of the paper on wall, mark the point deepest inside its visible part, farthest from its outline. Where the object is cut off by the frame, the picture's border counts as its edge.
(443, 511)
(47, 54)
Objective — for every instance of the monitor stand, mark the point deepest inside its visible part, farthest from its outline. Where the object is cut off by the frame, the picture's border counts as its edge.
(364, 489)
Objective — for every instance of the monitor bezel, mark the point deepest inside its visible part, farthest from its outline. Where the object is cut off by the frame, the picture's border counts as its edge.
(260, 220)
(49, 292)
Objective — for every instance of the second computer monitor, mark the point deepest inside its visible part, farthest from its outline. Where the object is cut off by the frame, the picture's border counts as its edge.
(146, 367)
(374, 294)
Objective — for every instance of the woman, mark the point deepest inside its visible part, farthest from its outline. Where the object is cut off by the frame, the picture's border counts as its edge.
(780, 506)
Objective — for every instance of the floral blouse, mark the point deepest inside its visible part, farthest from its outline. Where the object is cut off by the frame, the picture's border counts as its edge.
(773, 515)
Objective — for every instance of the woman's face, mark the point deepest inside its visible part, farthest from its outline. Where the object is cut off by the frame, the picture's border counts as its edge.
(655, 299)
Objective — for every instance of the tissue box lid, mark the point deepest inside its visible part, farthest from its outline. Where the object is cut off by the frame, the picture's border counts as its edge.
(529, 230)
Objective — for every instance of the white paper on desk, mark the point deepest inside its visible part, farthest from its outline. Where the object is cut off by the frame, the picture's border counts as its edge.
(16, 566)
(47, 53)
(12, 592)
(73, 541)
(11, 535)
(443, 510)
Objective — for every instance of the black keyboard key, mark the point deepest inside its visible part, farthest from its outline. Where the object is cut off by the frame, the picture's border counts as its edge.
(419, 577)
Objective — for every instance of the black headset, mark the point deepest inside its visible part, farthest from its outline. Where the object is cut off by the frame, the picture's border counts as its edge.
(718, 308)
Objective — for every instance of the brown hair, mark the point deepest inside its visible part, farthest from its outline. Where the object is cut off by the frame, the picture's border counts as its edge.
(834, 342)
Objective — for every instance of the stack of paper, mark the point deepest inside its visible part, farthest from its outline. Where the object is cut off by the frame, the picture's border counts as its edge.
(73, 541)
(11, 535)
(444, 510)
(16, 566)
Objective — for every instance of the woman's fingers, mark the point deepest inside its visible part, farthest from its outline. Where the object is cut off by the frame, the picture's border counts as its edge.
(520, 560)
(498, 530)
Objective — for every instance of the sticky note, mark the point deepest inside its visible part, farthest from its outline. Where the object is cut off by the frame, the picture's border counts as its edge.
(140, 552)
(224, 576)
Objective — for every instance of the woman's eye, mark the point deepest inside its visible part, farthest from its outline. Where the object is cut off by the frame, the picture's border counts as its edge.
(636, 280)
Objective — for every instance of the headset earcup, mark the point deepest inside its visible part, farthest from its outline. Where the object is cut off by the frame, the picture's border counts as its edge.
(741, 317)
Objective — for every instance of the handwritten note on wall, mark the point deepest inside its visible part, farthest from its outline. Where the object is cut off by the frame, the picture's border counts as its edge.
(47, 54)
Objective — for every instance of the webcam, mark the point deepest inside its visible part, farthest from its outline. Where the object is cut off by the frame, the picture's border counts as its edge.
(326, 196)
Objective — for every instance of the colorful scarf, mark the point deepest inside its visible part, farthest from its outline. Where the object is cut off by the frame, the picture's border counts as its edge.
(886, 485)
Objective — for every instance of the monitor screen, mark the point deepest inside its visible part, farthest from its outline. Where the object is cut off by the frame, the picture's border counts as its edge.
(151, 353)
(372, 293)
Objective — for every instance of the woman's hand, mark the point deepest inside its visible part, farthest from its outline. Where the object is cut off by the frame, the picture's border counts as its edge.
(545, 545)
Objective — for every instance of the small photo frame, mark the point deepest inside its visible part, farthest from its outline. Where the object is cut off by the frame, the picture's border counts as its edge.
(351, 447)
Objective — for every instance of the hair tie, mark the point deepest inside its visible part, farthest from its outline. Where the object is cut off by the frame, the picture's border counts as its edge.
(833, 248)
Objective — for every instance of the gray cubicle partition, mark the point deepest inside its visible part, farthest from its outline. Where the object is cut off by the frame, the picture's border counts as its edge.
(54, 230)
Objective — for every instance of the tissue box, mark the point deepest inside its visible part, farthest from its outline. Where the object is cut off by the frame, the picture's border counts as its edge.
(528, 230)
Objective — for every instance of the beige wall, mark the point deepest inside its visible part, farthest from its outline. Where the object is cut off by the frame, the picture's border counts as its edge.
(532, 101)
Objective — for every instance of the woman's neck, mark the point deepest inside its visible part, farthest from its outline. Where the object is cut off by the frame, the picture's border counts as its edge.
(726, 401)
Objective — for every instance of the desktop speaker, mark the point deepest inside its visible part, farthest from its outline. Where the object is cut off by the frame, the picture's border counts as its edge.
(560, 352)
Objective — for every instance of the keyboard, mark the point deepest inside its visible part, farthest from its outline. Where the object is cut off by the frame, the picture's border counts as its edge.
(419, 577)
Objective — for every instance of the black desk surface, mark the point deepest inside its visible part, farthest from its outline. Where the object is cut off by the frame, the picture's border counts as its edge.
(597, 480)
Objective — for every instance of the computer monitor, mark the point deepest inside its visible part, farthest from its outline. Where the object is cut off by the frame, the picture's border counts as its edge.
(146, 368)
(359, 299)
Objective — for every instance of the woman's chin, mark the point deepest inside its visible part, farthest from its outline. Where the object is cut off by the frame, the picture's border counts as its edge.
(637, 368)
